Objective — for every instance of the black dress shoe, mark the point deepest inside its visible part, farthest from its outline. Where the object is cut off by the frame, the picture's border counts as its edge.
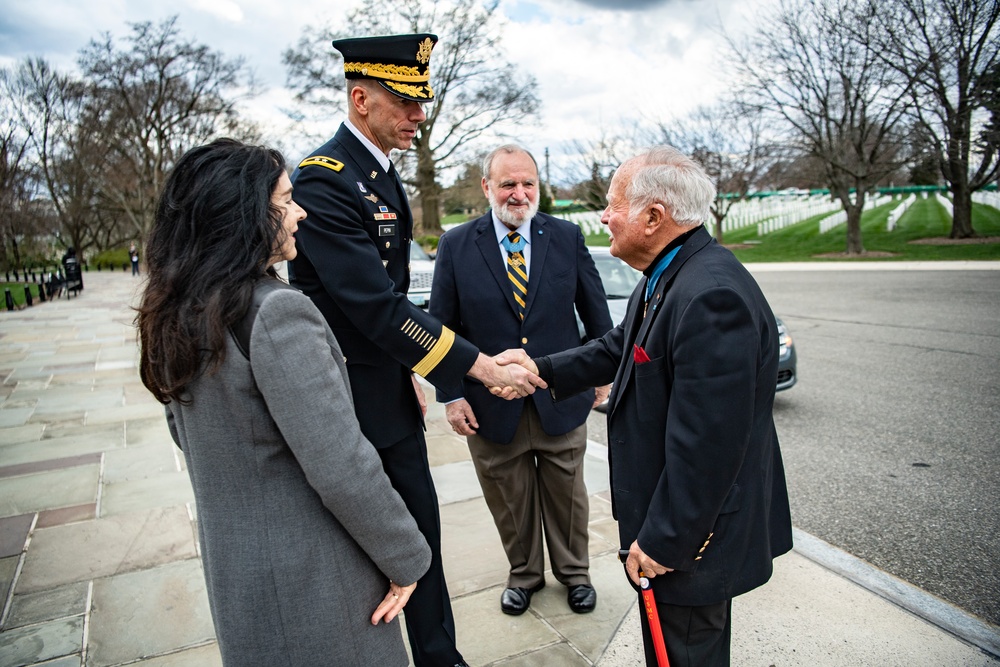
(461, 664)
(515, 601)
(582, 598)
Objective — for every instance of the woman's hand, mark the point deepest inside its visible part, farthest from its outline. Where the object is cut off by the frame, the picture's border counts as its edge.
(393, 603)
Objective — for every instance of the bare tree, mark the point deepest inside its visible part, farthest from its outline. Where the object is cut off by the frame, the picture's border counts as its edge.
(68, 158)
(14, 178)
(946, 50)
(160, 95)
(835, 92)
(475, 90)
(727, 139)
(597, 161)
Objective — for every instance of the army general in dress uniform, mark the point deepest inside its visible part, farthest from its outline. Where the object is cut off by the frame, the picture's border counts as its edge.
(353, 262)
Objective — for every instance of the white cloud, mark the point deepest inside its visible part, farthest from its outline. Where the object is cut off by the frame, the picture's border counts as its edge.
(597, 69)
(224, 9)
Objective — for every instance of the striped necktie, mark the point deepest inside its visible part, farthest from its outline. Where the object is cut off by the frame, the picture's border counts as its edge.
(517, 269)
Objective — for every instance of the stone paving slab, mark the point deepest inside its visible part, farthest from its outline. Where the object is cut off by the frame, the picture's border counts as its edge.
(14, 434)
(13, 533)
(148, 613)
(44, 641)
(473, 555)
(66, 515)
(69, 661)
(136, 463)
(48, 490)
(105, 547)
(14, 416)
(485, 634)
(48, 605)
(124, 413)
(554, 655)
(590, 633)
(202, 656)
(149, 431)
(157, 490)
(73, 440)
(8, 568)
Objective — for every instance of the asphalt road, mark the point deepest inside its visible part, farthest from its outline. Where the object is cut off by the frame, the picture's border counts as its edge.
(891, 438)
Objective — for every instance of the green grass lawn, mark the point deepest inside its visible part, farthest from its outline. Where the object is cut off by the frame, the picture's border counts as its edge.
(925, 218)
(802, 242)
(17, 291)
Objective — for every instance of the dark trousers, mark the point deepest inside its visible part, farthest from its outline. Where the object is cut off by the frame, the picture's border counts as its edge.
(429, 621)
(695, 636)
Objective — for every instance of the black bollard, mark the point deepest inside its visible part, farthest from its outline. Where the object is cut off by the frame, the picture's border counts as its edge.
(10, 299)
(27, 295)
(7, 276)
(41, 291)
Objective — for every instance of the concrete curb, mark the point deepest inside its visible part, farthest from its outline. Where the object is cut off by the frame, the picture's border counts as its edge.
(932, 609)
(865, 265)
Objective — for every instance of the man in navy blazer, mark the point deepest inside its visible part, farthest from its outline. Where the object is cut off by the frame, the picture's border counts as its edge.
(697, 482)
(528, 453)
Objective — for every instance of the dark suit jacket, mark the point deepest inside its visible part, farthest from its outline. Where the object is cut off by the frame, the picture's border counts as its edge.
(696, 473)
(472, 295)
(353, 262)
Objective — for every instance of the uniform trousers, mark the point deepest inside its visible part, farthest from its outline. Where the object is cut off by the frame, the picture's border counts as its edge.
(430, 625)
(536, 481)
(695, 636)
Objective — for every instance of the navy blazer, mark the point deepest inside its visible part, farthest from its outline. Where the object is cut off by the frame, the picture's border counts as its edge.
(353, 262)
(472, 295)
(696, 472)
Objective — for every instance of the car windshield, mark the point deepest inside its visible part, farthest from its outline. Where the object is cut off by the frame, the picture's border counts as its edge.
(417, 253)
(618, 277)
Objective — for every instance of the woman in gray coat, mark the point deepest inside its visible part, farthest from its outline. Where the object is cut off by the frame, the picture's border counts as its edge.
(309, 553)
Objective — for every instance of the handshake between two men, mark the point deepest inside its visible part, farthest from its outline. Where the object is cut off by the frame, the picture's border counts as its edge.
(509, 375)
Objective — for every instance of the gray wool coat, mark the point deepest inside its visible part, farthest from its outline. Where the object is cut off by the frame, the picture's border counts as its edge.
(300, 528)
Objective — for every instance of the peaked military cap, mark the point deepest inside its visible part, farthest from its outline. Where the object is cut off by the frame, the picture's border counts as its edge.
(401, 63)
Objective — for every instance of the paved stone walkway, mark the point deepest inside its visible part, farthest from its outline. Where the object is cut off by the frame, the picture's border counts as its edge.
(99, 560)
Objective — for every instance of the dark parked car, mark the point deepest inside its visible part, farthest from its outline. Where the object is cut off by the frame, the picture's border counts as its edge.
(620, 279)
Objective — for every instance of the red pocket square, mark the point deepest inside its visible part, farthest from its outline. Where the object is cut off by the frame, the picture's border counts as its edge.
(639, 355)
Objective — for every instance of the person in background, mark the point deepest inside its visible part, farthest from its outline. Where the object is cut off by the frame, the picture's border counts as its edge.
(133, 254)
(516, 278)
(309, 553)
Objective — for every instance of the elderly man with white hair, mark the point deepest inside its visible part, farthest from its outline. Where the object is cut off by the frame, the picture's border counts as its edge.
(697, 482)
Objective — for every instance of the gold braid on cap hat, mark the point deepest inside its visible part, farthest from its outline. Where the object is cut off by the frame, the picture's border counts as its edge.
(390, 72)
(412, 91)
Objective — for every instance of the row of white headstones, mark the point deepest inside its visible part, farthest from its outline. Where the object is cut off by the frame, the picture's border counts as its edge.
(778, 212)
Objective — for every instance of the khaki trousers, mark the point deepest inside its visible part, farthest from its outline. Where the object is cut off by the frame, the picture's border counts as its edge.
(535, 482)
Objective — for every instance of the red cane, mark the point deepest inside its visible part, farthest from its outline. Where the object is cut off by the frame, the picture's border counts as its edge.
(652, 615)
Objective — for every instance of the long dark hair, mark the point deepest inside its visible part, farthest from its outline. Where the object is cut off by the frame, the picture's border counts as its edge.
(213, 237)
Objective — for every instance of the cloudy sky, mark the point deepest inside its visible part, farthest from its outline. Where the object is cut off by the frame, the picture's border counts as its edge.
(599, 64)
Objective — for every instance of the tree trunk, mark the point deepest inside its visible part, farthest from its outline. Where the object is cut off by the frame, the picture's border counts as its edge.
(430, 193)
(853, 210)
(961, 222)
(719, 217)
(854, 244)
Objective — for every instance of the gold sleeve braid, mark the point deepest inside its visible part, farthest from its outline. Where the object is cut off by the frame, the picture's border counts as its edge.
(437, 346)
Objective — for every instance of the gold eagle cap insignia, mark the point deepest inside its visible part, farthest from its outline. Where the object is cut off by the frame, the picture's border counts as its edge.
(424, 51)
